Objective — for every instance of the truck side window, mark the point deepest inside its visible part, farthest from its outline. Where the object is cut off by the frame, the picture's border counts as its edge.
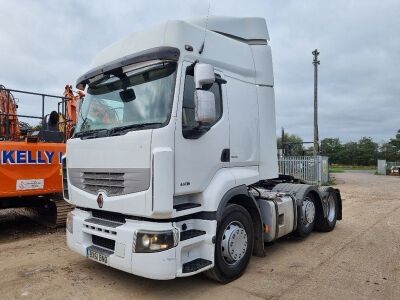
(190, 128)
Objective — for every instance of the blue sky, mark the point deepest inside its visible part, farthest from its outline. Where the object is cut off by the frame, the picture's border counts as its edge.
(46, 44)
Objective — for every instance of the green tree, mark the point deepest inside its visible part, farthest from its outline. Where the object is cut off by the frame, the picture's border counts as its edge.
(364, 152)
(293, 144)
(389, 152)
(348, 154)
(332, 147)
(309, 151)
(396, 146)
(396, 141)
(367, 152)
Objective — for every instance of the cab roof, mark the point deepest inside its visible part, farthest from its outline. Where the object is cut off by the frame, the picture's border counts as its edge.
(225, 41)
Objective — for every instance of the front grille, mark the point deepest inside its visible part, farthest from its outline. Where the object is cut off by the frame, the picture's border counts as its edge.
(65, 178)
(103, 242)
(111, 183)
(110, 216)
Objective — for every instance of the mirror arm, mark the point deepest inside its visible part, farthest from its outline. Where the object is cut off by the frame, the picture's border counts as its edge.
(219, 80)
(193, 64)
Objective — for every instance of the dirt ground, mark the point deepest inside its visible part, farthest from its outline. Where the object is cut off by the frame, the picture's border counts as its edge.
(360, 259)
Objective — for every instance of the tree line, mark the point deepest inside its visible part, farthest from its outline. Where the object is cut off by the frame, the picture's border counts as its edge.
(364, 152)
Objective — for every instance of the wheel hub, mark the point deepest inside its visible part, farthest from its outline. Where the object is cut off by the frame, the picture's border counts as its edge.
(234, 243)
(308, 211)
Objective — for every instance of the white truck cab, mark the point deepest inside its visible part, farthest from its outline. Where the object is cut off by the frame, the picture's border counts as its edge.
(173, 163)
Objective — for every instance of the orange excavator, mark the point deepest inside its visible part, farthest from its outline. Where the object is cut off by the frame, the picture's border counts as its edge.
(31, 158)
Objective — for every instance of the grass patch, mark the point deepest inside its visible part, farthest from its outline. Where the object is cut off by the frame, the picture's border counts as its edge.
(336, 170)
(343, 168)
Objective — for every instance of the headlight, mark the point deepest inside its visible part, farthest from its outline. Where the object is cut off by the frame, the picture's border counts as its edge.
(70, 222)
(154, 241)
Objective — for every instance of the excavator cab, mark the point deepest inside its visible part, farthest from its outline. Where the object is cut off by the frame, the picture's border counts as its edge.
(51, 130)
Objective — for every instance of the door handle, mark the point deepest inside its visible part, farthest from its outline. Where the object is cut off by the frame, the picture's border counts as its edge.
(226, 155)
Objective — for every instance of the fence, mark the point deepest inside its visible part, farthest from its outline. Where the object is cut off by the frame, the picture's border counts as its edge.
(11, 123)
(313, 170)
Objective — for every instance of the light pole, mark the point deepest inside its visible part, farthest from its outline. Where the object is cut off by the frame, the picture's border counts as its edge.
(316, 62)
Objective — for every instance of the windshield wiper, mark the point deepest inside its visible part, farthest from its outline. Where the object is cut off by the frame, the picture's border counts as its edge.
(113, 131)
(131, 126)
(89, 132)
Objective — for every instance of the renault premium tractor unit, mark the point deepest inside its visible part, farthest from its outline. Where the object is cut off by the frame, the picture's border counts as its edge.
(181, 175)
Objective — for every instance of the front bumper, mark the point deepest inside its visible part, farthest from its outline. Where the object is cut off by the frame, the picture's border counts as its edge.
(159, 265)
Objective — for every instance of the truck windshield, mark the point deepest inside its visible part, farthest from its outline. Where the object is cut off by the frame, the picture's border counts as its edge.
(126, 101)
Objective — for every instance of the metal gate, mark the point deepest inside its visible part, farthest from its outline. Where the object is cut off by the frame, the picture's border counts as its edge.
(311, 169)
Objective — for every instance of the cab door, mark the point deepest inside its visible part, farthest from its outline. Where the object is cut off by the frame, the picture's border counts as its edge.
(199, 151)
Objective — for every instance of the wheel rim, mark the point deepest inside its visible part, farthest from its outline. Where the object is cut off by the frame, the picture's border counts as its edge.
(331, 208)
(234, 243)
(308, 211)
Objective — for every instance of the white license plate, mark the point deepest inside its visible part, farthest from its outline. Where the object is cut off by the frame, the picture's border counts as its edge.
(99, 257)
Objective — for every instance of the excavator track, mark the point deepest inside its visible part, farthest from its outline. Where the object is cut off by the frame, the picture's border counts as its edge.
(62, 209)
(53, 212)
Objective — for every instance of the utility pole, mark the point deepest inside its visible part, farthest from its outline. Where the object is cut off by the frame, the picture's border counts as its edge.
(283, 141)
(316, 62)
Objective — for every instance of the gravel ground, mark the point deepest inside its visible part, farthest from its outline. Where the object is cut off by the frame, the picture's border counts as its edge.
(360, 259)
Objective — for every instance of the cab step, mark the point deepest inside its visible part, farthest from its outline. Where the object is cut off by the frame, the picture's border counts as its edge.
(195, 265)
(185, 206)
(191, 233)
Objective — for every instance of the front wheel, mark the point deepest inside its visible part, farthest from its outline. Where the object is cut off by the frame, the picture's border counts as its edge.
(234, 244)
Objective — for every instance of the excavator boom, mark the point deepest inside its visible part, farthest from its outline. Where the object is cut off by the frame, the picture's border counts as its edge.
(9, 124)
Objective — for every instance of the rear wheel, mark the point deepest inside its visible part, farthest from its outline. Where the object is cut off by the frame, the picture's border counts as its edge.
(306, 216)
(328, 223)
(234, 244)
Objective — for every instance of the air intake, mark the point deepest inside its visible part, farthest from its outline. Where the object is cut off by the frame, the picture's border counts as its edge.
(65, 178)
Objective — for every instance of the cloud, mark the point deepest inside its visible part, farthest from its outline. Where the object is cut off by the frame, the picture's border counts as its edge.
(46, 44)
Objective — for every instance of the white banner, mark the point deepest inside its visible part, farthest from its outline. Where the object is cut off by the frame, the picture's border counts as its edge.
(30, 184)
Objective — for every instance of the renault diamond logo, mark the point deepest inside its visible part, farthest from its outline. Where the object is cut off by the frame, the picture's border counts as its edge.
(100, 200)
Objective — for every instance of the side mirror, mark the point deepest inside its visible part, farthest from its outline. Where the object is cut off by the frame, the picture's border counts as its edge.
(203, 75)
(204, 102)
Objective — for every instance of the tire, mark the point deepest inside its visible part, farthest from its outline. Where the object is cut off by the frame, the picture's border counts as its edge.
(226, 268)
(306, 216)
(328, 223)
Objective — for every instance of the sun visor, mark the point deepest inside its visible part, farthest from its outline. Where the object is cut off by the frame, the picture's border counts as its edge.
(160, 53)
